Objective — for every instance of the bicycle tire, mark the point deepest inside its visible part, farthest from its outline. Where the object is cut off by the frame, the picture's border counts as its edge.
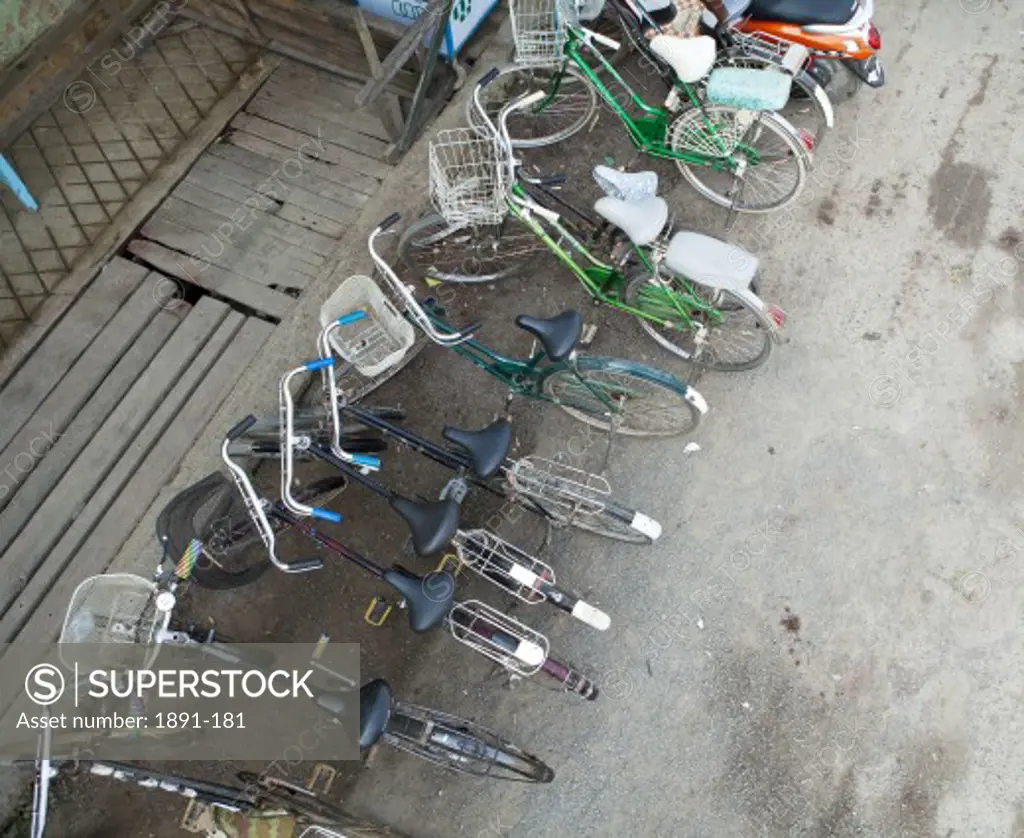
(580, 102)
(581, 404)
(793, 154)
(463, 746)
(806, 92)
(433, 240)
(240, 534)
(729, 307)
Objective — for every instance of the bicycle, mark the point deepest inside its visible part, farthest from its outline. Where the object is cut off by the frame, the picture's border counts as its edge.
(727, 127)
(611, 394)
(430, 599)
(692, 294)
(809, 109)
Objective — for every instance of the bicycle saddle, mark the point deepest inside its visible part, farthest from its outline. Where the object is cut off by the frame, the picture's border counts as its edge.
(428, 598)
(487, 447)
(642, 221)
(431, 523)
(662, 12)
(626, 186)
(712, 262)
(192, 511)
(559, 334)
(690, 58)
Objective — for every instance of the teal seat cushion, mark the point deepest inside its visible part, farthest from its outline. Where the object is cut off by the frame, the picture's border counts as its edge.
(751, 90)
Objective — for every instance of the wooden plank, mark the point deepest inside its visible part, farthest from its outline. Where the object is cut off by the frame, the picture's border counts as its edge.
(57, 411)
(91, 261)
(109, 445)
(22, 395)
(37, 486)
(260, 264)
(71, 542)
(324, 124)
(399, 55)
(222, 283)
(217, 205)
(154, 473)
(340, 184)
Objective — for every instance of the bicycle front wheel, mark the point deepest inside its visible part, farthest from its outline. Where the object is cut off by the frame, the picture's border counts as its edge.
(624, 397)
(568, 107)
(763, 163)
(433, 249)
(462, 745)
(724, 332)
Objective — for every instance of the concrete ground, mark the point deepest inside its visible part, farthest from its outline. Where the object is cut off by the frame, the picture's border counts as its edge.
(822, 643)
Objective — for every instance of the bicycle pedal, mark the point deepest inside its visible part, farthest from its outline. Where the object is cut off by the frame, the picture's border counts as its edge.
(672, 101)
(588, 334)
(322, 776)
(378, 612)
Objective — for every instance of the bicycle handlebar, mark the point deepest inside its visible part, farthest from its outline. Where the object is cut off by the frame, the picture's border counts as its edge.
(488, 77)
(389, 221)
(241, 428)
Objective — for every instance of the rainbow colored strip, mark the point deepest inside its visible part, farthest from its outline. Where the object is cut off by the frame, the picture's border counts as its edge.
(188, 559)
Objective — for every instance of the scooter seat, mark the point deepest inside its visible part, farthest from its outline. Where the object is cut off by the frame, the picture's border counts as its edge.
(805, 12)
(626, 186)
(558, 335)
(711, 262)
(486, 448)
(748, 89)
(690, 58)
(642, 221)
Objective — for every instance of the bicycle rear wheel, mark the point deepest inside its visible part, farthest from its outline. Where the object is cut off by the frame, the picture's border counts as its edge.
(227, 562)
(764, 168)
(729, 336)
(462, 745)
(433, 249)
(644, 401)
(568, 107)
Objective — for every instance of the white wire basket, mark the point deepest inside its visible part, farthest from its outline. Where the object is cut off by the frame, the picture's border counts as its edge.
(468, 177)
(378, 341)
(538, 29)
(114, 608)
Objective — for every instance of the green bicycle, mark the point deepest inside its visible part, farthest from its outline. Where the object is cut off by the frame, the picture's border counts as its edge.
(611, 394)
(691, 293)
(724, 136)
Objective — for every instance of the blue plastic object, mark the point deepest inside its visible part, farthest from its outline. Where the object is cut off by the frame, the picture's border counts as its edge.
(352, 317)
(10, 179)
(366, 460)
(751, 90)
(319, 364)
(325, 515)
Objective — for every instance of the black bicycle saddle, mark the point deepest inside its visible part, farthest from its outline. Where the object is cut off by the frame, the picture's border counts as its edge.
(487, 447)
(375, 701)
(431, 523)
(428, 598)
(559, 334)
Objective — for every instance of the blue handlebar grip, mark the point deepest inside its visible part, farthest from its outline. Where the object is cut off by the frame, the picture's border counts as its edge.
(325, 515)
(366, 460)
(319, 364)
(352, 317)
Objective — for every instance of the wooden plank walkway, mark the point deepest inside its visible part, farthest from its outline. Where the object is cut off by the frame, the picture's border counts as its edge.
(258, 214)
(96, 420)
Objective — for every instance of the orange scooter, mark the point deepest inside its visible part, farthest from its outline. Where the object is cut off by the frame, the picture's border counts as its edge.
(839, 34)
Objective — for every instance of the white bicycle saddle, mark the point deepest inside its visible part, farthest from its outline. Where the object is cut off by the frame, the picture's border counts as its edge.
(642, 220)
(690, 58)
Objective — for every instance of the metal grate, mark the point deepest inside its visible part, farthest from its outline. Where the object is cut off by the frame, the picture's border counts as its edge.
(95, 147)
